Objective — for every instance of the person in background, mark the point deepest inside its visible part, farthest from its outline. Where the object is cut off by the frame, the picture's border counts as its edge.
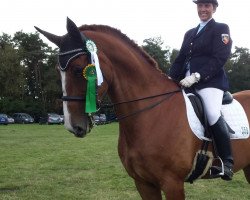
(200, 65)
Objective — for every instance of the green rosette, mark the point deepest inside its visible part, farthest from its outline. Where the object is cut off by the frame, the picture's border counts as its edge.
(90, 75)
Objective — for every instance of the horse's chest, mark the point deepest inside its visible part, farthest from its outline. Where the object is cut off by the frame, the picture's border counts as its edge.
(136, 163)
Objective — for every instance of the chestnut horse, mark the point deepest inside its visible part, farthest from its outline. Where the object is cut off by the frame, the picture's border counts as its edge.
(156, 143)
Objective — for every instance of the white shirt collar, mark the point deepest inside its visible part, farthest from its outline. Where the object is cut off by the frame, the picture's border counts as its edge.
(202, 23)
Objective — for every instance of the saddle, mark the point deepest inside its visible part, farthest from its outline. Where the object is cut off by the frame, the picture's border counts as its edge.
(203, 158)
(196, 102)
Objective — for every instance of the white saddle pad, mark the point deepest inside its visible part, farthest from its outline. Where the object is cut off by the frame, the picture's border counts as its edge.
(233, 113)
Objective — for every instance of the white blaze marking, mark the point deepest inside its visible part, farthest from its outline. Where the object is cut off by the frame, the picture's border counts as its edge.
(65, 103)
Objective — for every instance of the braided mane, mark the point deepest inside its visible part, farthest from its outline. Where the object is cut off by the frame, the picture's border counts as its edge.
(117, 33)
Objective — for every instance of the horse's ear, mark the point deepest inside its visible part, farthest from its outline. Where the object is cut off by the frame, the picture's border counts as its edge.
(73, 30)
(51, 37)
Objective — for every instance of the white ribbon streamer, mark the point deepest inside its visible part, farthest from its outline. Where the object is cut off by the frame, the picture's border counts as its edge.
(95, 61)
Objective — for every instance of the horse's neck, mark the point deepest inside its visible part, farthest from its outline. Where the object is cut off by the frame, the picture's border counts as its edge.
(133, 73)
(134, 78)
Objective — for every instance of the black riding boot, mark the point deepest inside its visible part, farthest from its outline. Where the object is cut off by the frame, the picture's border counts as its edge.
(223, 146)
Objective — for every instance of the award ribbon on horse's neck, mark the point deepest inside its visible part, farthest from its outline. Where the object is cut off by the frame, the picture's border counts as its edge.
(91, 73)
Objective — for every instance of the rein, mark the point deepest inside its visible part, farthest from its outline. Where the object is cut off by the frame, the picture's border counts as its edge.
(78, 98)
(169, 94)
(144, 98)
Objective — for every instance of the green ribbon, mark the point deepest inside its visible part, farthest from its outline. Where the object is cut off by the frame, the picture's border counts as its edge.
(90, 74)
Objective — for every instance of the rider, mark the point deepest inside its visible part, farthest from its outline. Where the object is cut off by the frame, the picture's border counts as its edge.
(200, 64)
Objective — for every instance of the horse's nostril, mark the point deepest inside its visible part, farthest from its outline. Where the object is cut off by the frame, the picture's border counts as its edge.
(79, 131)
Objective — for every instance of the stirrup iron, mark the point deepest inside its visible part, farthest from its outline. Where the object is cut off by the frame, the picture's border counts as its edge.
(222, 173)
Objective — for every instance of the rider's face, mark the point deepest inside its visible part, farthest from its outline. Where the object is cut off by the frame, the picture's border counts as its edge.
(205, 11)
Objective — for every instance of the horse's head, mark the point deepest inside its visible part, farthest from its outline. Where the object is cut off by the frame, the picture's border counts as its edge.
(77, 53)
(130, 73)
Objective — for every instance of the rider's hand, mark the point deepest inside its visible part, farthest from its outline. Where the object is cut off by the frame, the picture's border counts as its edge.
(190, 80)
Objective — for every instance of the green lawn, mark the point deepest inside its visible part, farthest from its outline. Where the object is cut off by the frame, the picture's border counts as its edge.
(47, 162)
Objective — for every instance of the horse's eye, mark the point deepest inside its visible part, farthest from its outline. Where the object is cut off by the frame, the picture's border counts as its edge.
(78, 71)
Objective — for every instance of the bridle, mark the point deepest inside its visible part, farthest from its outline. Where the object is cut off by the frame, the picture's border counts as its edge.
(82, 99)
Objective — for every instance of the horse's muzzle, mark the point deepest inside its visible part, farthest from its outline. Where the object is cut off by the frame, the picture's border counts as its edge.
(79, 131)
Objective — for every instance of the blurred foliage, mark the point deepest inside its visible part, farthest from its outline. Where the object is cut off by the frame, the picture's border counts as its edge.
(153, 46)
(29, 82)
(238, 69)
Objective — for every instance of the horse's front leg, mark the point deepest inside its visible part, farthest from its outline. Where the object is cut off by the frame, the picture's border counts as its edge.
(173, 189)
(148, 191)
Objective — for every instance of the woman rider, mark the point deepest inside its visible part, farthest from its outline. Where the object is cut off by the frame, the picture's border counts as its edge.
(200, 65)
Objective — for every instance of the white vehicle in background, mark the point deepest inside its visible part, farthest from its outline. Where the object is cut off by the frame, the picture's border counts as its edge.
(100, 119)
(10, 119)
(103, 118)
(51, 118)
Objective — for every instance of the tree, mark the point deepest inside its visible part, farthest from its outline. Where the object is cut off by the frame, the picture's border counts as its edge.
(153, 46)
(39, 60)
(30, 48)
(238, 69)
(29, 81)
(11, 73)
(173, 56)
(51, 84)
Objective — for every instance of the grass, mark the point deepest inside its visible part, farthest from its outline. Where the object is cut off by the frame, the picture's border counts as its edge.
(46, 162)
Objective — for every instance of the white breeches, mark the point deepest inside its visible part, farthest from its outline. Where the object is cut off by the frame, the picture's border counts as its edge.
(212, 102)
